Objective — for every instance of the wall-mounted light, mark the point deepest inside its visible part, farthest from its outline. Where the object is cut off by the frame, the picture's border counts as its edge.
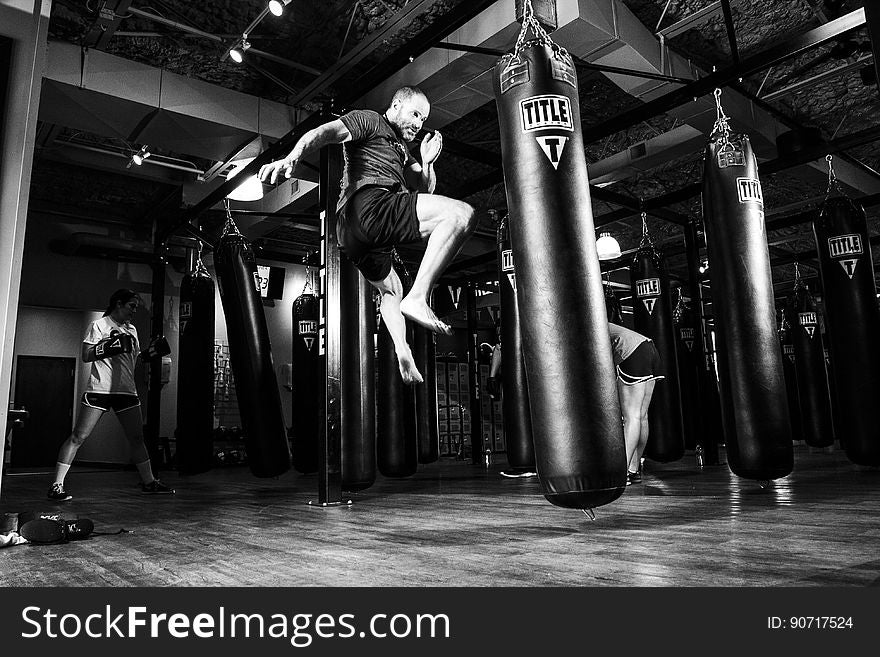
(250, 189)
(607, 247)
(139, 157)
(237, 53)
(276, 7)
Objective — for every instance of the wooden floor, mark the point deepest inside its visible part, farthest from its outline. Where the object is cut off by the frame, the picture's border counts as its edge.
(454, 524)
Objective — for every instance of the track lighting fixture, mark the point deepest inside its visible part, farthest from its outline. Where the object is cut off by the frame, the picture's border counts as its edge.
(237, 53)
(139, 157)
(276, 7)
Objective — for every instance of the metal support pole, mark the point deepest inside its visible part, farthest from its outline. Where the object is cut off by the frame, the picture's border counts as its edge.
(154, 392)
(473, 356)
(708, 438)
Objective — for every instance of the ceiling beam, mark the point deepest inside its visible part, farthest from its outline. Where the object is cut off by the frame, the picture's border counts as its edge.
(753, 64)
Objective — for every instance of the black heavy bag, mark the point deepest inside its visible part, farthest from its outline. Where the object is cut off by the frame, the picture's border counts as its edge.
(308, 384)
(689, 362)
(853, 320)
(427, 421)
(832, 388)
(809, 365)
(612, 305)
(576, 427)
(357, 387)
(397, 447)
(652, 316)
(250, 355)
(791, 385)
(754, 410)
(195, 372)
(515, 391)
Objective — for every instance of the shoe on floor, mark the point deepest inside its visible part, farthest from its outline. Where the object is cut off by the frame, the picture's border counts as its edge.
(156, 487)
(58, 494)
(44, 531)
(79, 529)
(633, 478)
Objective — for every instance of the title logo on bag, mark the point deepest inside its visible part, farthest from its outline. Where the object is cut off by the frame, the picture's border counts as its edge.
(788, 350)
(507, 260)
(749, 189)
(808, 321)
(548, 111)
(186, 309)
(507, 266)
(841, 247)
(686, 333)
(648, 287)
(308, 329)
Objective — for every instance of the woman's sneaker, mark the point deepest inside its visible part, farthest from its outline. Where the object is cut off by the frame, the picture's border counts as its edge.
(58, 494)
(156, 487)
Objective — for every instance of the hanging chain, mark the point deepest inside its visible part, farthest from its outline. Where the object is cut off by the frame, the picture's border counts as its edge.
(309, 287)
(646, 240)
(200, 266)
(529, 21)
(722, 121)
(833, 183)
(797, 275)
(230, 227)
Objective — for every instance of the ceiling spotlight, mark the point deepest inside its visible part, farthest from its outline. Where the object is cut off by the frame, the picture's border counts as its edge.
(607, 248)
(139, 157)
(276, 7)
(237, 53)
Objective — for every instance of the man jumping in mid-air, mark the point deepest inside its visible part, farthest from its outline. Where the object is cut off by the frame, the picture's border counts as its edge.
(387, 199)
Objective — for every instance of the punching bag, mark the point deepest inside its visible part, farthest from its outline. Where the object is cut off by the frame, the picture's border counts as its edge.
(652, 316)
(575, 412)
(791, 385)
(250, 355)
(517, 420)
(427, 421)
(809, 367)
(754, 411)
(195, 372)
(307, 379)
(853, 320)
(357, 385)
(689, 357)
(612, 305)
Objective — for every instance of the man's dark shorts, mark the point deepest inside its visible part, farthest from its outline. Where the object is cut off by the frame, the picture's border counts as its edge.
(373, 221)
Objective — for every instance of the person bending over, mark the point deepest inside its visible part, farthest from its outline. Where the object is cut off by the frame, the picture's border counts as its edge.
(387, 199)
(638, 366)
(111, 346)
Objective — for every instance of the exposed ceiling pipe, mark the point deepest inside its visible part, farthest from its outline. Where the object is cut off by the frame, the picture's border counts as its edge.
(152, 160)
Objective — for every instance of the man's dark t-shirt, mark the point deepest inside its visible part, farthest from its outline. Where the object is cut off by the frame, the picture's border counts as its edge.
(374, 156)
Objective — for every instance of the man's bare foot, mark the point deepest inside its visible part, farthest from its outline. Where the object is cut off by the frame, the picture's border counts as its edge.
(408, 370)
(420, 312)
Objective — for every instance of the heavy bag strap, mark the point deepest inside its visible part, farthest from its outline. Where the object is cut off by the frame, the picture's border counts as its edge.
(680, 307)
(309, 287)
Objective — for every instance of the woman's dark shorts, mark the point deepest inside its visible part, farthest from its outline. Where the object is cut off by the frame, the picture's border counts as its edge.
(110, 400)
(373, 221)
(641, 365)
